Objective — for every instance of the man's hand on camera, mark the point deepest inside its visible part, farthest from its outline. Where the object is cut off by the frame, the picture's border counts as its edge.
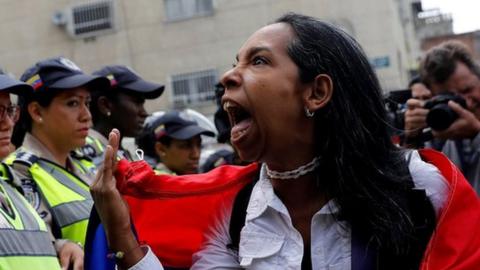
(465, 127)
(415, 118)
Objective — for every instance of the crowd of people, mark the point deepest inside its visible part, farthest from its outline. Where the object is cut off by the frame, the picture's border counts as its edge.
(326, 189)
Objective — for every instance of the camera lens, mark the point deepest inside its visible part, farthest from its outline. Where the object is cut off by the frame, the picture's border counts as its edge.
(440, 117)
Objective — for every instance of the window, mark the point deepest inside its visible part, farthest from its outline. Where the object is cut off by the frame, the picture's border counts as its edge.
(184, 9)
(195, 88)
(91, 19)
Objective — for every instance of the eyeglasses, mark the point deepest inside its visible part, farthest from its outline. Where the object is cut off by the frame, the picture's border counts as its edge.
(12, 111)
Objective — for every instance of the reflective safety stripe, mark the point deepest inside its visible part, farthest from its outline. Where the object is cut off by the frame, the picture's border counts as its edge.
(28, 220)
(95, 143)
(85, 166)
(79, 167)
(29, 262)
(99, 145)
(63, 178)
(25, 243)
(71, 212)
(98, 159)
(3, 172)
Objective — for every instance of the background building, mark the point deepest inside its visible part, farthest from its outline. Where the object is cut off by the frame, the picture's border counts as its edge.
(188, 44)
(433, 27)
(470, 39)
(432, 23)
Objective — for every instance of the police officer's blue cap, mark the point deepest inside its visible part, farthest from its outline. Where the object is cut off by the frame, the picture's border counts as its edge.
(10, 85)
(123, 77)
(60, 73)
(173, 125)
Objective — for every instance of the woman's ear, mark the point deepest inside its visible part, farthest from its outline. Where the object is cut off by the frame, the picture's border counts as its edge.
(35, 111)
(104, 105)
(319, 94)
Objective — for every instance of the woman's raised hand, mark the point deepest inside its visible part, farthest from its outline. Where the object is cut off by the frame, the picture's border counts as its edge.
(111, 207)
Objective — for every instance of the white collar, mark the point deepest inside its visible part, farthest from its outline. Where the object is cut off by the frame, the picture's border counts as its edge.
(264, 197)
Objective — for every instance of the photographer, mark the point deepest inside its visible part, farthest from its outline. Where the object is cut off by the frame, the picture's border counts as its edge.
(449, 67)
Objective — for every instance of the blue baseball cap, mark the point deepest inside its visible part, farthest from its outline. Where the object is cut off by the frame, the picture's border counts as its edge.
(60, 73)
(11, 85)
(123, 77)
(173, 125)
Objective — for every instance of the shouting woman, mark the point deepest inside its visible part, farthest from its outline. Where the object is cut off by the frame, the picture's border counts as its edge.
(333, 191)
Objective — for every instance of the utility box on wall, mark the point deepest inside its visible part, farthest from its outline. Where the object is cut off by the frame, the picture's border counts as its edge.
(88, 19)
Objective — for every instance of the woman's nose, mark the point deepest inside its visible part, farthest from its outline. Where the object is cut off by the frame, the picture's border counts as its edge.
(231, 79)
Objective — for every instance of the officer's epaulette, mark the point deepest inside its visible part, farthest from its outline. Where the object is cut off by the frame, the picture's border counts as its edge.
(25, 158)
(85, 152)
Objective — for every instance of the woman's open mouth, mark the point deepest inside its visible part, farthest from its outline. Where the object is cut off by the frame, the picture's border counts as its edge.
(240, 120)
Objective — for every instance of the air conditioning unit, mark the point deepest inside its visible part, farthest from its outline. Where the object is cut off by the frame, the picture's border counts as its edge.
(88, 19)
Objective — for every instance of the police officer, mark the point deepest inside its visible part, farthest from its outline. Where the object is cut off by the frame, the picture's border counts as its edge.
(177, 143)
(25, 242)
(121, 107)
(56, 119)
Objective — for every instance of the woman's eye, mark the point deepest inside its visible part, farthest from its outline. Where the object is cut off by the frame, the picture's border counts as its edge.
(259, 61)
(73, 103)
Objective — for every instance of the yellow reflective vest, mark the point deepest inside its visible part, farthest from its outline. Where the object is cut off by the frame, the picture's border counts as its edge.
(66, 195)
(24, 240)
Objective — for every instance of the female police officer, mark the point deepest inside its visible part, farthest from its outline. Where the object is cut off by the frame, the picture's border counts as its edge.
(25, 242)
(56, 119)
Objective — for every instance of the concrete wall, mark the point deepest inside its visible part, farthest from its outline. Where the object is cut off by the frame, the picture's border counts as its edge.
(158, 49)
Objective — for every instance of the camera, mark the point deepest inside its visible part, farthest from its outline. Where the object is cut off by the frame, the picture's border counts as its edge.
(440, 116)
(395, 107)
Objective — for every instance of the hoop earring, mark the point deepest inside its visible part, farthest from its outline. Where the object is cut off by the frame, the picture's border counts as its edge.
(308, 113)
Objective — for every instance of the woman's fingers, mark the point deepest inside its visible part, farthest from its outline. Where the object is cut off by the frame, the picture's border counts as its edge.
(114, 139)
(114, 142)
(108, 167)
(104, 179)
(109, 203)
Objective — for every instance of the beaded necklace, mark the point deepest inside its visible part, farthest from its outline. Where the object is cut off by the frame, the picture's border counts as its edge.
(295, 173)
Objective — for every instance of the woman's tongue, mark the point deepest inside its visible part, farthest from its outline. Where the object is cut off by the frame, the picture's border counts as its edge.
(240, 128)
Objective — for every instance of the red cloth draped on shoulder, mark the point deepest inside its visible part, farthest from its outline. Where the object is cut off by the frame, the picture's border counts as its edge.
(172, 213)
(455, 244)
